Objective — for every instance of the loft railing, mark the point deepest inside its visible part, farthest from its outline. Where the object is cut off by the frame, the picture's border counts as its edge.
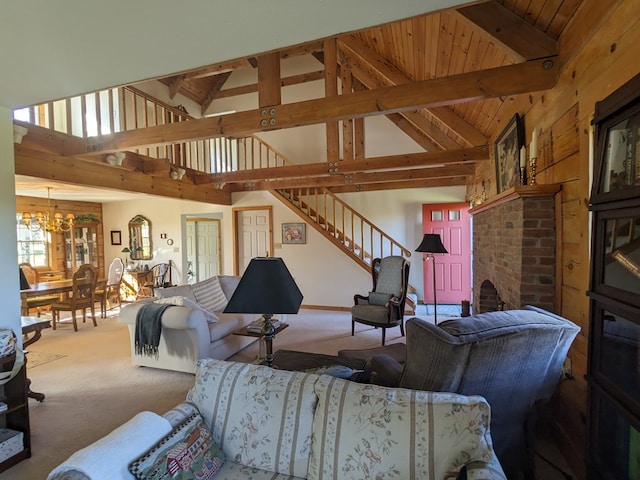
(128, 108)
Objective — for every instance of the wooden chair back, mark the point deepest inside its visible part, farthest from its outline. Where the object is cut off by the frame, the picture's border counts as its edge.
(30, 273)
(84, 285)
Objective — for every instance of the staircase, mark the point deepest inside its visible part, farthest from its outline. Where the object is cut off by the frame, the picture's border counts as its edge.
(343, 226)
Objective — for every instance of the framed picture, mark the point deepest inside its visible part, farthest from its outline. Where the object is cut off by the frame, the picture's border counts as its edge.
(116, 237)
(294, 233)
(507, 154)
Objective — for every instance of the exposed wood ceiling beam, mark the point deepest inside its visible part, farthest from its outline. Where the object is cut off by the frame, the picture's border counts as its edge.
(214, 91)
(73, 170)
(423, 183)
(285, 82)
(410, 160)
(501, 81)
(521, 39)
(389, 176)
(391, 75)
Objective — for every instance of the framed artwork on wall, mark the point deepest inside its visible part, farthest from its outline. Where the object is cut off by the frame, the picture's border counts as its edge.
(116, 237)
(294, 233)
(507, 154)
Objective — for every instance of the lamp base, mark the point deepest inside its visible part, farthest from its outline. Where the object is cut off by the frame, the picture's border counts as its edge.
(268, 333)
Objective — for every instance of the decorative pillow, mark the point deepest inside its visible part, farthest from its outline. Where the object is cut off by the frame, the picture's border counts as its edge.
(261, 417)
(186, 302)
(180, 413)
(367, 431)
(188, 452)
(379, 298)
(209, 294)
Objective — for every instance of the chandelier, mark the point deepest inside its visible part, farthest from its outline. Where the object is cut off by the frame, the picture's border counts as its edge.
(44, 221)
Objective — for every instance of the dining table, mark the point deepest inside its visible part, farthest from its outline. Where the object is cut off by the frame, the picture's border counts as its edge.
(52, 288)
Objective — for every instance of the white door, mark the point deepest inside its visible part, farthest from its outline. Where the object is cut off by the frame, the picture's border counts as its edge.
(203, 247)
(253, 234)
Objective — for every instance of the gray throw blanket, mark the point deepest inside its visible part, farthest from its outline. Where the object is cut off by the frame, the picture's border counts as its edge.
(149, 328)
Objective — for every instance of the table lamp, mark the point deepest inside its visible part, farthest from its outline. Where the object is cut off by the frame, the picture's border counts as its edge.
(431, 243)
(266, 288)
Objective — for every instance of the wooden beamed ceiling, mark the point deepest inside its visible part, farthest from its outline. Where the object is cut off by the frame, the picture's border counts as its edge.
(442, 79)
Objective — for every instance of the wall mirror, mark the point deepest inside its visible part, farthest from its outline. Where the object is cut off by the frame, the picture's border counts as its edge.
(140, 238)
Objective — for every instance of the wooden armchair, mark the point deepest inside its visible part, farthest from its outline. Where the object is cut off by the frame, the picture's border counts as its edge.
(384, 306)
(31, 274)
(82, 297)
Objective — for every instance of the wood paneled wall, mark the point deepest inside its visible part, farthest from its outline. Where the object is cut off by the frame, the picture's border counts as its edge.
(57, 253)
(599, 53)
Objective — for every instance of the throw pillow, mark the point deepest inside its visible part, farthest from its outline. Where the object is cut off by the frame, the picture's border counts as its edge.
(367, 431)
(186, 302)
(210, 295)
(188, 452)
(379, 298)
(261, 417)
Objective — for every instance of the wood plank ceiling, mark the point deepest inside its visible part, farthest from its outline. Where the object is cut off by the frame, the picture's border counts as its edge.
(441, 78)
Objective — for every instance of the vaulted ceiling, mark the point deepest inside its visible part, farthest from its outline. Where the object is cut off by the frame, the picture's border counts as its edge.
(444, 79)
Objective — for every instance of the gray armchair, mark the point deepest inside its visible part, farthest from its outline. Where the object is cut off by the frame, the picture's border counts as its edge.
(512, 358)
(384, 306)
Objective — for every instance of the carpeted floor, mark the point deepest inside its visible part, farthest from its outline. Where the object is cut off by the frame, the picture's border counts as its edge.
(93, 388)
(36, 359)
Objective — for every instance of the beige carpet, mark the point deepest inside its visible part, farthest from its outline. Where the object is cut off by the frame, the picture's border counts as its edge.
(36, 359)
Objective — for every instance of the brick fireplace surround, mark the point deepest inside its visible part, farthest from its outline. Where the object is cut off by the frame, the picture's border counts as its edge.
(514, 248)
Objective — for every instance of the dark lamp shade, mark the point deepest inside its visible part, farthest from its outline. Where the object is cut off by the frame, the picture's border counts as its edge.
(125, 250)
(265, 287)
(431, 243)
(24, 283)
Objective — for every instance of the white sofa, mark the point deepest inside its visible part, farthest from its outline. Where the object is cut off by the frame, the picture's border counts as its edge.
(276, 424)
(190, 333)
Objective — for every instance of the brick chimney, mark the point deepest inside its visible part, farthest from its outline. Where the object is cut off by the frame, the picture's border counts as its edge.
(514, 247)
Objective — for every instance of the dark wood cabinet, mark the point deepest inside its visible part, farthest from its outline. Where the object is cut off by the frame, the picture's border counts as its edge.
(16, 416)
(613, 370)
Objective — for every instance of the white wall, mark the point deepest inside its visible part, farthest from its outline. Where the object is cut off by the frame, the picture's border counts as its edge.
(9, 283)
(325, 275)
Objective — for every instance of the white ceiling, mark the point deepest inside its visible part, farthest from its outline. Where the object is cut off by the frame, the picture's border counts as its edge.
(53, 50)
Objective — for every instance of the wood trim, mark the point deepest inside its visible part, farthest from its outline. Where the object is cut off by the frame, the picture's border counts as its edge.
(519, 191)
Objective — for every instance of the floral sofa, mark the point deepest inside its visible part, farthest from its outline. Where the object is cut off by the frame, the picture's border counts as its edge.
(260, 423)
(193, 327)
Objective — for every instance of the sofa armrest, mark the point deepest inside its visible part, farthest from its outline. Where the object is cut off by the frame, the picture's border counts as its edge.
(486, 471)
(176, 316)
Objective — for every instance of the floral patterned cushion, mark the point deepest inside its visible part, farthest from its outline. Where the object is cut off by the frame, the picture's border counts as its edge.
(367, 431)
(260, 417)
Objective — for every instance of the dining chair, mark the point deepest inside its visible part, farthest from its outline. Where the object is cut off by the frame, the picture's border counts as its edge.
(32, 276)
(82, 297)
(111, 289)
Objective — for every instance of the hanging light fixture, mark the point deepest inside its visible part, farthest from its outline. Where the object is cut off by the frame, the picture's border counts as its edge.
(46, 222)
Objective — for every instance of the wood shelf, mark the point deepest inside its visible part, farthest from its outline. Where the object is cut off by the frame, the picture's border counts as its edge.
(16, 417)
(519, 191)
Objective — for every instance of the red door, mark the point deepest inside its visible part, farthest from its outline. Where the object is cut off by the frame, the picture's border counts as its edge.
(453, 270)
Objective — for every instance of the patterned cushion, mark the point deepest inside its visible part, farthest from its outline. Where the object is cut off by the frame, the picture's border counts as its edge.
(186, 453)
(379, 298)
(185, 302)
(390, 276)
(209, 294)
(366, 431)
(261, 417)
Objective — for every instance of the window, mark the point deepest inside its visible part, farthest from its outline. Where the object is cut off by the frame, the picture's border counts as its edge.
(32, 246)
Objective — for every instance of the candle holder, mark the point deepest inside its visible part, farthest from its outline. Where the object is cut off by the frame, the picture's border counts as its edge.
(523, 175)
(532, 168)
